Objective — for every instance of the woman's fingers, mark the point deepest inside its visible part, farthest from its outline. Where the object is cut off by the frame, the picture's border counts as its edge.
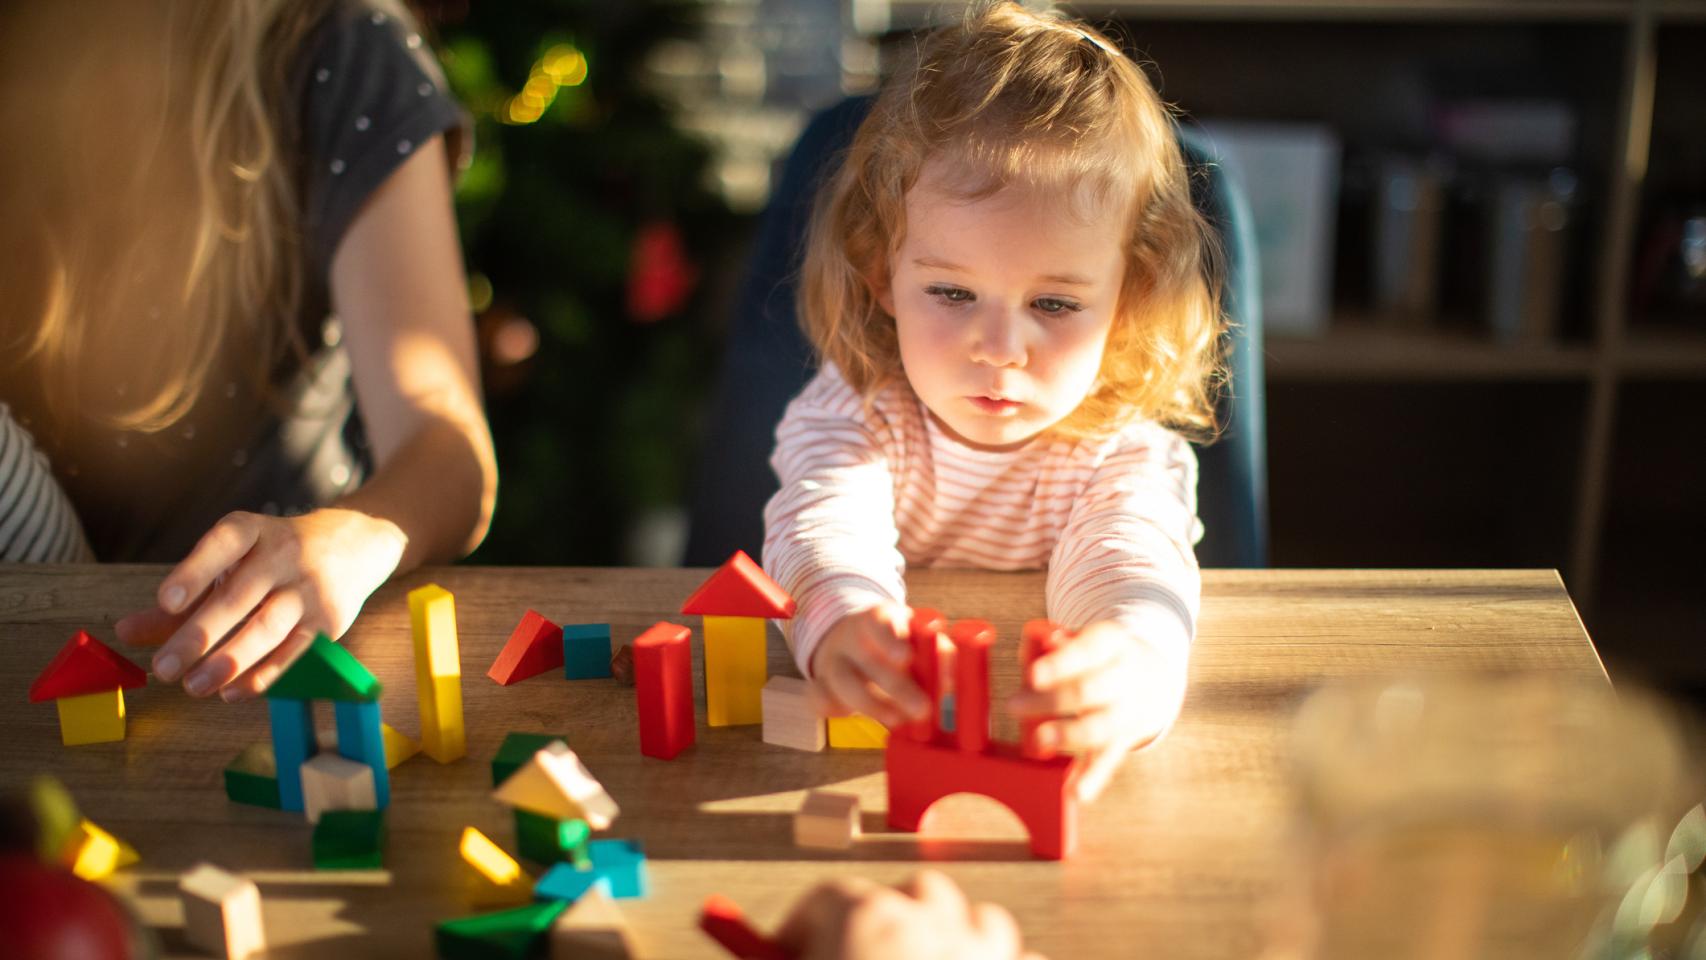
(218, 551)
(223, 610)
(258, 678)
(265, 628)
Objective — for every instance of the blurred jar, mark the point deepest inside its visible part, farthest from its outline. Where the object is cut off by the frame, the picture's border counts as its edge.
(1483, 818)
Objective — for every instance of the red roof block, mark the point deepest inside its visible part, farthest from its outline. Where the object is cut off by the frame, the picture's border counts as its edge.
(85, 665)
(535, 647)
(740, 588)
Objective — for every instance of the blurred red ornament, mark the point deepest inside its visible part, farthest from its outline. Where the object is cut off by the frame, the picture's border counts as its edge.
(48, 914)
(660, 277)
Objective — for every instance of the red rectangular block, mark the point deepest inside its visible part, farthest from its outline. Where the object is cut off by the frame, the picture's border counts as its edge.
(972, 640)
(663, 690)
(1038, 639)
(927, 626)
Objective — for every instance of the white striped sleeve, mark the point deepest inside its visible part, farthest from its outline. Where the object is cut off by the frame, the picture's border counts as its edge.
(37, 523)
(829, 532)
(1126, 552)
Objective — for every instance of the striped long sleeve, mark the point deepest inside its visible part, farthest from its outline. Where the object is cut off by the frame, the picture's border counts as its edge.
(37, 523)
(867, 489)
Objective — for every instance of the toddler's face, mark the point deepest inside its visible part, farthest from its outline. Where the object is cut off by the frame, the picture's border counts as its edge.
(1003, 307)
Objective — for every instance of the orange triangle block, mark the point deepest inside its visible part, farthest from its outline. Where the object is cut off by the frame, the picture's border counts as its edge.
(740, 588)
(83, 666)
(535, 647)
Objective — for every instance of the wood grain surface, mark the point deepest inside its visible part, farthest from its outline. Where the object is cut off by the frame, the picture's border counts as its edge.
(1179, 859)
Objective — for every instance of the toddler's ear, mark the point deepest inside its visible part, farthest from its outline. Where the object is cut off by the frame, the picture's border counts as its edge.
(882, 290)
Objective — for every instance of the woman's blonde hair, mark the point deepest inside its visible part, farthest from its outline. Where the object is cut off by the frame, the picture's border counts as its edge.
(1012, 97)
(159, 215)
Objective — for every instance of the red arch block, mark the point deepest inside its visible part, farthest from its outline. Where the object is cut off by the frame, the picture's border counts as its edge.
(1039, 792)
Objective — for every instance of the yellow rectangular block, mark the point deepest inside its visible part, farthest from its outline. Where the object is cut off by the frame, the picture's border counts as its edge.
(857, 732)
(734, 671)
(438, 672)
(91, 718)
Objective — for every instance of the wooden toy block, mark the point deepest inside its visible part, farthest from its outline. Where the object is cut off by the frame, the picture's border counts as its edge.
(857, 732)
(554, 783)
(1037, 639)
(438, 672)
(91, 718)
(252, 778)
(222, 912)
(740, 588)
(592, 928)
(85, 665)
(663, 690)
(499, 880)
(564, 882)
(827, 820)
(515, 933)
(623, 862)
(586, 651)
(517, 749)
(535, 646)
(972, 642)
(93, 853)
(292, 745)
(399, 746)
(734, 671)
(622, 665)
(331, 782)
(55, 814)
(361, 738)
(790, 720)
(723, 921)
(538, 838)
(1039, 792)
(926, 630)
(350, 840)
(326, 671)
(572, 837)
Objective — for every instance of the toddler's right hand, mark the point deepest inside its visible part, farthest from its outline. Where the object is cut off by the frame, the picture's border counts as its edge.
(927, 918)
(861, 666)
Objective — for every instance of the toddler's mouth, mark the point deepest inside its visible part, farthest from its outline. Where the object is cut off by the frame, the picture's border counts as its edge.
(996, 406)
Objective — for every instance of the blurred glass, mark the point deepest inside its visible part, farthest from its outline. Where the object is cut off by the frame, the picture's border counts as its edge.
(1498, 817)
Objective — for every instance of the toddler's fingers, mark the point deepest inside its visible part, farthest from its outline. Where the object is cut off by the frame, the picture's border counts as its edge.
(259, 635)
(899, 687)
(849, 686)
(996, 931)
(258, 678)
(1084, 732)
(1081, 694)
(1094, 647)
(1102, 766)
(218, 551)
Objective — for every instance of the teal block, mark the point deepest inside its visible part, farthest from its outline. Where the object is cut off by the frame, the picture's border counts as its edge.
(292, 745)
(504, 935)
(586, 651)
(564, 882)
(350, 840)
(623, 863)
(360, 739)
(517, 749)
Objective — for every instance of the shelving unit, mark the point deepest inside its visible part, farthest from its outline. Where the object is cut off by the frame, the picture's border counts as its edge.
(1365, 363)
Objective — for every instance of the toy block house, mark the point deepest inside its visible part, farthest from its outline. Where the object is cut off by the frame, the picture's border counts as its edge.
(735, 602)
(326, 671)
(87, 680)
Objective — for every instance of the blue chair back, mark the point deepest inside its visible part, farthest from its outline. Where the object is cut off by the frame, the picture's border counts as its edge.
(768, 361)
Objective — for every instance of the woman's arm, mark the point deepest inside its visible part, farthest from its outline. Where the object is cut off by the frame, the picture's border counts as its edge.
(397, 283)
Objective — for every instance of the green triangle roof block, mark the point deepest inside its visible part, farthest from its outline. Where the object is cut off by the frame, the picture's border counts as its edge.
(326, 671)
(509, 933)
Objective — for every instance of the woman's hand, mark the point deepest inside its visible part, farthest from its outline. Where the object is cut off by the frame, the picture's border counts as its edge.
(255, 590)
(926, 918)
(861, 666)
(1104, 692)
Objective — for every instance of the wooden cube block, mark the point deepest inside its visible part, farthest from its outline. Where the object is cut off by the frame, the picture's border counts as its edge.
(331, 782)
(827, 820)
(222, 912)
(592, 929)
(789, 718)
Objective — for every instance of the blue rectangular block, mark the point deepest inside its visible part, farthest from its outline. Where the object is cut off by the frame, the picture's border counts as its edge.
(623, 863)
(586, 651)
(564, 882)
(360, 739)
(292, 745)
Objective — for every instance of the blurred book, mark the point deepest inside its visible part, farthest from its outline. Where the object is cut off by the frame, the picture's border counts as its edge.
(1409, 217)
(1290, 175)
(1527, 224)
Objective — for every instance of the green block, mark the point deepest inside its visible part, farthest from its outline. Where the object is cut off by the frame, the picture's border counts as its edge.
(350, 840)
(537, 837)
(517, 749)
(252, 778)
(505, 935)
(572, 836)
(326, 671)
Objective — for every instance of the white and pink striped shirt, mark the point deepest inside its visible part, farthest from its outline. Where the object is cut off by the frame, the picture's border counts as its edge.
(867, 490)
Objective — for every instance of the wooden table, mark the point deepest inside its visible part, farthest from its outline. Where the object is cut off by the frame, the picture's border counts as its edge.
(1177, 860)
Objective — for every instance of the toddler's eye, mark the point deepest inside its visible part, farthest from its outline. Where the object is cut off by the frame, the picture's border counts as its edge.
(1055, 305)
(949, 294)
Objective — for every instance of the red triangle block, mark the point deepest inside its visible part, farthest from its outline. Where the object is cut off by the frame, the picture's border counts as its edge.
(85, 665)
(535, 647)
(740, 588)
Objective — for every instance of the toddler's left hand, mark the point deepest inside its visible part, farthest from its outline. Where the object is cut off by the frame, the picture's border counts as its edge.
(1106, 691)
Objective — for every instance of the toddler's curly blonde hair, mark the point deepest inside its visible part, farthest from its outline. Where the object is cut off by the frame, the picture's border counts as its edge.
(1012, 97)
